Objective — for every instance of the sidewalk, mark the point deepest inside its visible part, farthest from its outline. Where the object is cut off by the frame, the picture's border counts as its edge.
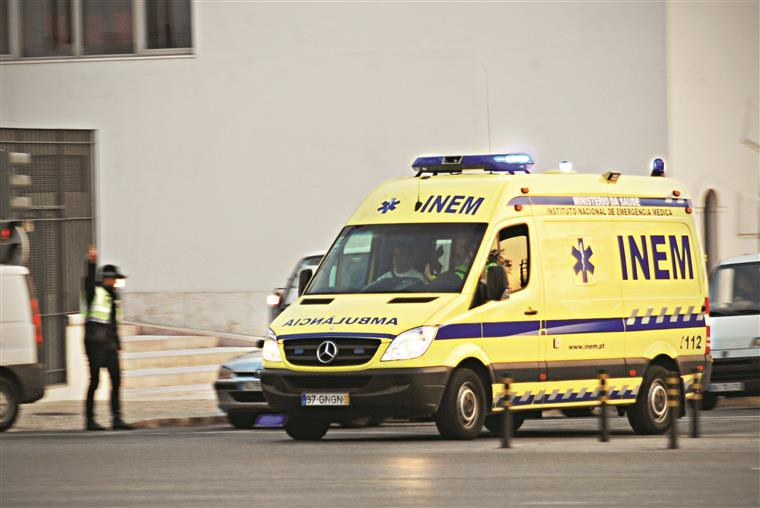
(69, 415)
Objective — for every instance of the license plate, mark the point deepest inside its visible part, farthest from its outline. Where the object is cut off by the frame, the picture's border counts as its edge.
(324, 399)
(726, 387)
(254, 386)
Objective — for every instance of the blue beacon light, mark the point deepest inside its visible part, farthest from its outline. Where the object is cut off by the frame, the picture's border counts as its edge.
(658, 167)
(507, 163)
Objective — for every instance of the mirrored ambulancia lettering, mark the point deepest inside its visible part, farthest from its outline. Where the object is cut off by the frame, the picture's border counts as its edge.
(661, 257)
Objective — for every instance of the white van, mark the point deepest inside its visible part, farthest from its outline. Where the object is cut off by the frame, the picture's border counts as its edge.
(22, 378)
(735, 329)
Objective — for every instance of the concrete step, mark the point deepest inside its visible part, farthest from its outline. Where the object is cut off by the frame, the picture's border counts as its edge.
(202, 391)
(170, 376)
(136, 343)
(129, 329)
(180, 357)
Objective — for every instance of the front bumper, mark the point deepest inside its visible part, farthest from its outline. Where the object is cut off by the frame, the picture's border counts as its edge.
(388, 393)
(737, 370)
(240, 396)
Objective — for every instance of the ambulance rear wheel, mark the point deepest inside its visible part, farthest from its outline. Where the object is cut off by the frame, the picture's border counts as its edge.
(650, 414)
(495, 425)
(462, 410)
(303, 428)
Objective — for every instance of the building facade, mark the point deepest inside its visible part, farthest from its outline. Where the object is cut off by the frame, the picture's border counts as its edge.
(230, 137)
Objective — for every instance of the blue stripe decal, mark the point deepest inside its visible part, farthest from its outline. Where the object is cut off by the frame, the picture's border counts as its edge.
(511, 328)
(695, 322)
(328, 335)
(563, 326)
(568, 201)
(459, 331)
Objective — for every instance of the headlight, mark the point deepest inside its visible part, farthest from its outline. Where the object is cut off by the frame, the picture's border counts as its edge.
(225, 373)
(271, 351)
(410, 344)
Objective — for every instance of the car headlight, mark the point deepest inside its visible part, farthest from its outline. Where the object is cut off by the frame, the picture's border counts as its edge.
(225, 373)
(410, 344)
(271, 350)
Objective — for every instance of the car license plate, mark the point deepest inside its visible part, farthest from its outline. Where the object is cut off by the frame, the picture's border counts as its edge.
(726, 387)
(254, 386)
(324, 399)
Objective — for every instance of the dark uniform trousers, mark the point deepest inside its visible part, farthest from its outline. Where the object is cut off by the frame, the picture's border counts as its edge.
(102, 355)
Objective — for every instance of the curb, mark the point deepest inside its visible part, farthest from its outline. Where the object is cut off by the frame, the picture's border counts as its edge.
(195, 421)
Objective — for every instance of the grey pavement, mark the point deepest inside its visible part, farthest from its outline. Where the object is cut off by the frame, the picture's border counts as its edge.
(69, 415)
(554, 462)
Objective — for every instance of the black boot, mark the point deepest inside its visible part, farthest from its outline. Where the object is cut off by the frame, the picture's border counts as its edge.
(119, 424)
(93, 425)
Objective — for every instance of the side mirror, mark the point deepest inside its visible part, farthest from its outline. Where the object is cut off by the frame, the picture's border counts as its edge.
(259, 343)
(496, 283)
(303, 280)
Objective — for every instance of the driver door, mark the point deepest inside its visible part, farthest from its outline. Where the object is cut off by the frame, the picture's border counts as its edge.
(511, 325)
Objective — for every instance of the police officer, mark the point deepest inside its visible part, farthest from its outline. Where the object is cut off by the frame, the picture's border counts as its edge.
(102, 313)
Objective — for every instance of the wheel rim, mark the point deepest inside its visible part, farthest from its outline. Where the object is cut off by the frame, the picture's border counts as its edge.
(5, 406)
(658, 401)
(468, 405)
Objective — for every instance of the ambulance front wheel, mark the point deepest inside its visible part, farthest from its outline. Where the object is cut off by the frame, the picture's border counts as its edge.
(303, 428)
(462, 409)
(650, 414)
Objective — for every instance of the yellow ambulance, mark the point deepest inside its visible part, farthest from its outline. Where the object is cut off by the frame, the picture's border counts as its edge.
(444, 283)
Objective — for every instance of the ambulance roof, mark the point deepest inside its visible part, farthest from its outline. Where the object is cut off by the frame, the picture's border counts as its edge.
(457, 197)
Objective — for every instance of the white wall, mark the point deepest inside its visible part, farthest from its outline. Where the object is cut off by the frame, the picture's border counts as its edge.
(217, 171)
(713, 113)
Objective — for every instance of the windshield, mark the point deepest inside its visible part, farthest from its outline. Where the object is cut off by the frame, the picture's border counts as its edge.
(399, 258)
(735, 289)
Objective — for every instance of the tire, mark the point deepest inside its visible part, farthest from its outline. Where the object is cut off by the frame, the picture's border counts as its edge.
(306, 429)
(462, 411)
(709, 401)
(578, 412)
(242, 420)
(8, 403)
(651, 413)
(494, 423)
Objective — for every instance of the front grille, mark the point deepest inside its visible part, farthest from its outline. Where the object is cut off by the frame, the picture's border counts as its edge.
(351, 351)
(326, 383)
(247, 396)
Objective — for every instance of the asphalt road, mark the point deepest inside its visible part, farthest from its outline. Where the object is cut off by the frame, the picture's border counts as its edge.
(554, 462)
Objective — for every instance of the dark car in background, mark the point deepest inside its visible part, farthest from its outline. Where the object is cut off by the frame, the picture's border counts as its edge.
(280, 298)
(238, 390)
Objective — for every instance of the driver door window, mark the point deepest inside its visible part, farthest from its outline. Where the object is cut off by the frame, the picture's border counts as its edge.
(510, 250)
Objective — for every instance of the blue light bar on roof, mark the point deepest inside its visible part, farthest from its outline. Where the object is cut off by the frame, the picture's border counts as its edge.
(507, 162)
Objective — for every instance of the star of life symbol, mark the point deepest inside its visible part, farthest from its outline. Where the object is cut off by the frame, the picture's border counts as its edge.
(388, 206)
(583, 254)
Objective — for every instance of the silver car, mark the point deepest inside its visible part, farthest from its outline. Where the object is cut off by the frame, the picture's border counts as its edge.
(238, 389)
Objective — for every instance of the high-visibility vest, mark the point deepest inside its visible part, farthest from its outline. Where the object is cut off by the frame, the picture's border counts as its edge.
(99, 310)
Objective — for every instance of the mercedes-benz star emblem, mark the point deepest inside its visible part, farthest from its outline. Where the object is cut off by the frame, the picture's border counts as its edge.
(327, 351)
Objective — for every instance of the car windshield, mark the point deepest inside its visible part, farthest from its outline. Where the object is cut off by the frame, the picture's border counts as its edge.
(735, 290)
(399, 258)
